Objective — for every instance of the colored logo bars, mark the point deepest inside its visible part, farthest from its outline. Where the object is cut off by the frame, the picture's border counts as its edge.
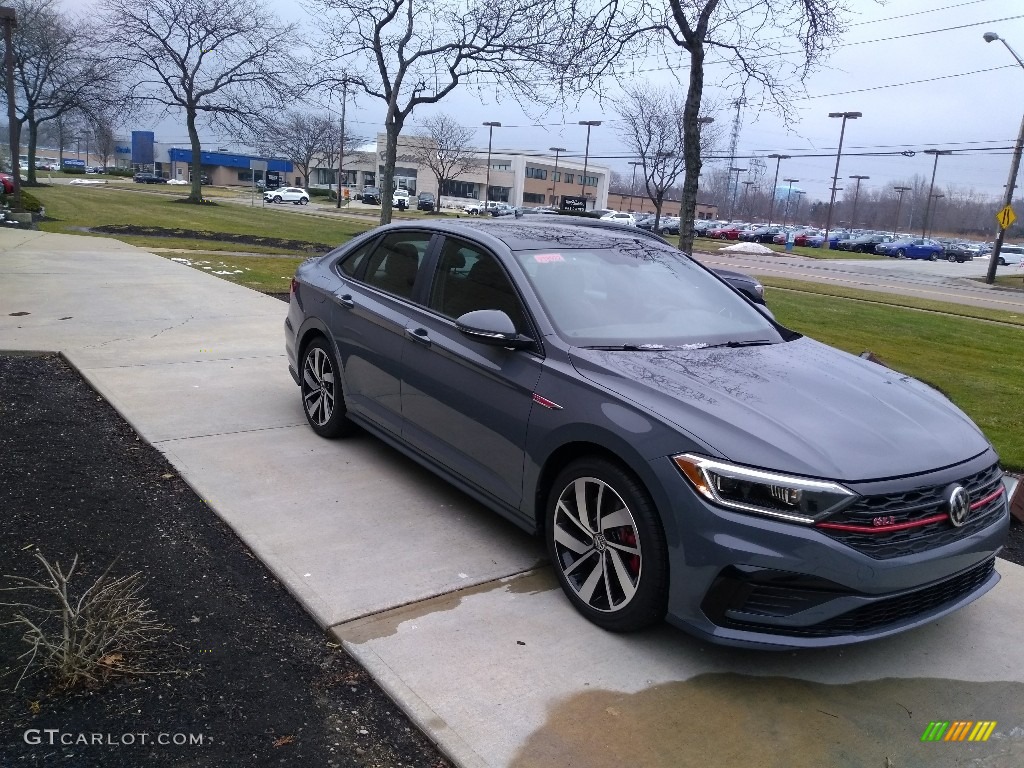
(958, 730)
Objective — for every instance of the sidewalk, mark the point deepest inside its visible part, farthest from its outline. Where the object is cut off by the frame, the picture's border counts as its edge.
(451, 608)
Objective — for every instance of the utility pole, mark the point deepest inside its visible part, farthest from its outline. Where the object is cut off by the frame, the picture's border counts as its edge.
(746, 202)
(771, 208)
(835, 176)
(554, 176)
(789, 195)
(931, 188)
(9, 18)
(735, 189)
(341, 146)
(586, 157)
(487, 177)
(734, 140)
(899, 202)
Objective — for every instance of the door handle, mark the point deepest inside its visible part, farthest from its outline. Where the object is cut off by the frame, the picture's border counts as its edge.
(347, 300)
(418, 334)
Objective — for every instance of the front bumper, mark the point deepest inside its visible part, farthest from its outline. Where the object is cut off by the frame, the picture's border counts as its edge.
(739, 579)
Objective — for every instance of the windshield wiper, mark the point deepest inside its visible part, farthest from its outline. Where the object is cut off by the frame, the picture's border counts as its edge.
(734, 344)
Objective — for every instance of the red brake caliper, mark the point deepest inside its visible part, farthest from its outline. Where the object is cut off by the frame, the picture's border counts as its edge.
(633, 561)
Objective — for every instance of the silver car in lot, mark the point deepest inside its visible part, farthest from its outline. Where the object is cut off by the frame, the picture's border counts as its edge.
(682, 455)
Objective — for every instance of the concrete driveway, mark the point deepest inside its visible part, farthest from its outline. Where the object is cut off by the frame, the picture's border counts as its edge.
(452, 609)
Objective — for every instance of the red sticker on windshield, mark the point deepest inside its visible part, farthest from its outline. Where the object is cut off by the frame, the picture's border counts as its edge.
(547, 258)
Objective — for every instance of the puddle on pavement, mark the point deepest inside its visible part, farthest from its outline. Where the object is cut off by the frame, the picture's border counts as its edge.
(386, 624)
(739, 721)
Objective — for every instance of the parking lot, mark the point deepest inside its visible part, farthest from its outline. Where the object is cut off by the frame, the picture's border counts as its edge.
(453, 610)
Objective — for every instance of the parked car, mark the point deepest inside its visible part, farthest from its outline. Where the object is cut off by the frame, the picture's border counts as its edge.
(958, 253)
(1011, 254)
(502, 209)
(679, 452)
(760, 234)
(863, 243)
(7, 183)
(400, 199)
(148, 178)
(370, 196)
(727, 232)
(618, 217)
(669, 225)
(800, 237)
(749, 286)
(910, 248)
(425, 201)
(480, 206)
(295, 195)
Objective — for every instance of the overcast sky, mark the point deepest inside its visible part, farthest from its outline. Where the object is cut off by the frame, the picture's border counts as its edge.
(902, 41)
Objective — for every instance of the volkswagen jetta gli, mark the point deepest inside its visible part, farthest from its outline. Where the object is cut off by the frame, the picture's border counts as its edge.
(681, 453)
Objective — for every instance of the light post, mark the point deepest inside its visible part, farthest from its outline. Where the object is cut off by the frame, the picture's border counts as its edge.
(899, 202)
(799, 196)
(632, 184)
(789, 195)
(586, 156)
(856, 194)
(931, 187)
(835, 176)
(746, 205)
(732, 205)
(993, 259)
(554, 175)
(487, 178)
(771, 208)
(935, 212)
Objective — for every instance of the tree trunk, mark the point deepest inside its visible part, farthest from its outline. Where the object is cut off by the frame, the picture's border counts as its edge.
(33, 142)
(393, 127)
(691, 148)
(196, 166)
(658, 202)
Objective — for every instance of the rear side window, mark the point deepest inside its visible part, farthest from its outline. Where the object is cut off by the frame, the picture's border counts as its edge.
(396, 260)
(350, 265)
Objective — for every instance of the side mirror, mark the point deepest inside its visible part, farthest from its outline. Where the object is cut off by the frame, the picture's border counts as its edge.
(493, 327)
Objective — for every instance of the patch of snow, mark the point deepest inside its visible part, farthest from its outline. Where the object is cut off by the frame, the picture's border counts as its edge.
(182, 261)
(747, 248)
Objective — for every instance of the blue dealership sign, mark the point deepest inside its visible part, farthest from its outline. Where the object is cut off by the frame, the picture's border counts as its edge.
(123, 150)
(142, 147)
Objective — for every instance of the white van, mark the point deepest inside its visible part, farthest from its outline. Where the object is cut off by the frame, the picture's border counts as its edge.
(1011, 254)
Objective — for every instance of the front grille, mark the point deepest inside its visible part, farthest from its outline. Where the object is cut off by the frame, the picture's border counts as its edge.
(917, 504)
(883, 613)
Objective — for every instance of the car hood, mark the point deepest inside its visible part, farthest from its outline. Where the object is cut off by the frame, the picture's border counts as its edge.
(798, 406)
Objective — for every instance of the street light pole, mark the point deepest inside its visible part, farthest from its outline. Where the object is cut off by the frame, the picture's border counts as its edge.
(341, 148)
(935, 212)
(856, 195)
(632, 184)
(554, 175)
(487, 182)
(771, 208)
(799, 197)
(789, 195)
(931, 188)
(735, 190)
(746, 192)
(899, 202)
(835, 176)
(993, 259)
(586, 157)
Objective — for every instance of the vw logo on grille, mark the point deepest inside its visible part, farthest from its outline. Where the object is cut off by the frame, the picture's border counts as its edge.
(959, 506)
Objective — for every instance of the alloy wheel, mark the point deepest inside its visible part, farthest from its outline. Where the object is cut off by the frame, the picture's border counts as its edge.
(318, 392)
(597, 544)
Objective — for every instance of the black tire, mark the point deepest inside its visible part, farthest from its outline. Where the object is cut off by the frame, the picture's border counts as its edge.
(322, 399)
(1002, 262)
(277, 198)
(901, 254)
(619, 581)
(303, 200)
(952, 258)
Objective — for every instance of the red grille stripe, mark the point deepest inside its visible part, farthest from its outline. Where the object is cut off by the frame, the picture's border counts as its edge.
(883, 528)
(991, 497)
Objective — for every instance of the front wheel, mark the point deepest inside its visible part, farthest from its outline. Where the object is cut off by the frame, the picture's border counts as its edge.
(607, 545)
(951, 258)
(277, 198)
(322, 398)
(1002, 262)
(901, 254)
(303, 201)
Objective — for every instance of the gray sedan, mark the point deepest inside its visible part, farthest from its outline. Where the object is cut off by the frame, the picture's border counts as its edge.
(682, 455)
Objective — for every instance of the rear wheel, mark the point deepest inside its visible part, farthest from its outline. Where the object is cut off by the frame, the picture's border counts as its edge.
(607, 544)
(1002, 262)
(901, 254)
(322, 398)
(303, 201)
(952, 258)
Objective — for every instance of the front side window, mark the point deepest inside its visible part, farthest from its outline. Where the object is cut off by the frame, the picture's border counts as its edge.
(393, 265)
(633, 293)
(469, 278)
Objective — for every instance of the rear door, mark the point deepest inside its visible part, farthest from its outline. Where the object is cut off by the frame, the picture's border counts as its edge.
(369, 316)
(465, 403)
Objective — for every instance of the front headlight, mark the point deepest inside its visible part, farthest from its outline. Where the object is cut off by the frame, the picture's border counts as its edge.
(796, 499)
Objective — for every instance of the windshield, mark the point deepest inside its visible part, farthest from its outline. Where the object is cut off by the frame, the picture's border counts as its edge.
(638, 294)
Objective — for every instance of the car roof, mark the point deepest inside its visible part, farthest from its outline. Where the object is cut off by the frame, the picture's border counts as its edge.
(538, 233)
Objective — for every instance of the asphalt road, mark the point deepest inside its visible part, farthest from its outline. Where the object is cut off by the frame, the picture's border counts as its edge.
(936, 280)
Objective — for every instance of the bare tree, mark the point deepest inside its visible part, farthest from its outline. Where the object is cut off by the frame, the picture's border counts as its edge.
(419, 51)
(211, 59)
(445, 147)
(104, 127)
(59, 69)
(299, 136)
(754, 38)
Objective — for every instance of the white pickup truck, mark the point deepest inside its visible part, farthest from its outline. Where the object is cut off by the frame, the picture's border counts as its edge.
(480, 206)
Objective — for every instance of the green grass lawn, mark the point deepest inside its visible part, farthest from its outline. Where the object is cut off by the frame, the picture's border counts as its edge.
(828, 289)
(708, 245)
(976, 364)
(74, 208)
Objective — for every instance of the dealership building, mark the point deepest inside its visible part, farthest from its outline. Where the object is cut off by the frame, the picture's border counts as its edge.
(517, 178)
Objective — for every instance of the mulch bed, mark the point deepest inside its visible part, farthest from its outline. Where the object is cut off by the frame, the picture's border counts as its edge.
(246, 670)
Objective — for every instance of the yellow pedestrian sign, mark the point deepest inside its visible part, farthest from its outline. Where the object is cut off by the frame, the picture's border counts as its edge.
(1006, 217)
